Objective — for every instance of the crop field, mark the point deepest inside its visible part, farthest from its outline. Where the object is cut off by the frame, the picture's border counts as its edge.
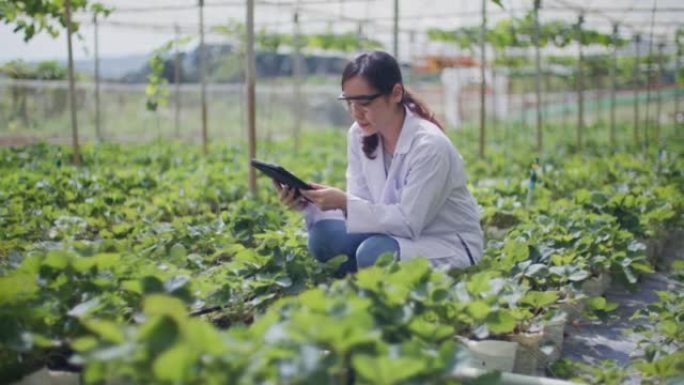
(139, 247)
(152, 263)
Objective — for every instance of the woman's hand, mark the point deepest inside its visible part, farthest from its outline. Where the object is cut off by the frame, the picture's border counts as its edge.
(287, 197)
(326, 197)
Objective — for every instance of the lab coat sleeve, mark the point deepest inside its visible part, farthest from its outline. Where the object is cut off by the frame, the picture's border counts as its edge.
(356, 183)
(356, 180)
(427, 187)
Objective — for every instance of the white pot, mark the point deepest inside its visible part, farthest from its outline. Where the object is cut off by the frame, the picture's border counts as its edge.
(492, 354)
(528, 353)
(49, 377)
(596, 286)
(553, 335)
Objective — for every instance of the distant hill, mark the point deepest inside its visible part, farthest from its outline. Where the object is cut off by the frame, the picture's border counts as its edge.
(113, 68)
(223, 66)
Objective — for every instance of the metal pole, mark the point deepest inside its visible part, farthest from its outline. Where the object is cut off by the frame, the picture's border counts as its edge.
(251, 115)
(580, 84)
(659, 95)
(677, 67)
(613, 85)
(537, 62)
(483, 83)
(637, 82)
(395, 30)
(98, 127)
(177, 81)
(297, 72)
(72, 87)
(649, 85)
(203, 79)
(493, 101)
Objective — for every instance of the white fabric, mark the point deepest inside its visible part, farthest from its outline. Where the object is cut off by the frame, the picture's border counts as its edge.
(423, 202)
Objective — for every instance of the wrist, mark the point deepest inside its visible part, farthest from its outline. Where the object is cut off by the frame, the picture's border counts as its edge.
(343, 203)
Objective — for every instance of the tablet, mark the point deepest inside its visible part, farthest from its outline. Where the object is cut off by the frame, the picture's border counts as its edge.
(280, 175)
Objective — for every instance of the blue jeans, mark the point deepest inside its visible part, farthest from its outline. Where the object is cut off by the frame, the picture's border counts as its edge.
(328, 238)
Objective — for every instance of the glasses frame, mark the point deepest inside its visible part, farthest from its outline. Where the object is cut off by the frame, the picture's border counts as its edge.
(361, 101)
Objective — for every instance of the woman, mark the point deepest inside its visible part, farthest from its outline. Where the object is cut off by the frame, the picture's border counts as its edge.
(406, 185)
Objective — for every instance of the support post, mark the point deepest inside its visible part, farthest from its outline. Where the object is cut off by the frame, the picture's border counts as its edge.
(483, 83)
(251, 100)
(72, 86)
(203, 80)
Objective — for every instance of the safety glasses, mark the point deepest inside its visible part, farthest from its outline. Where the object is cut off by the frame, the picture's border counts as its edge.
(359, 101)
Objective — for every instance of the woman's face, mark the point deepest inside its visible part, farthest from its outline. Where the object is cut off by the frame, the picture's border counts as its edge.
(371, 110)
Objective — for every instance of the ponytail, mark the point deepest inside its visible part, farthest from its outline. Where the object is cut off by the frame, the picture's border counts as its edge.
(418, 107)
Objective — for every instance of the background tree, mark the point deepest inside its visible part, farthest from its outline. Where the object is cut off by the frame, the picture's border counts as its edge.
(31, 17)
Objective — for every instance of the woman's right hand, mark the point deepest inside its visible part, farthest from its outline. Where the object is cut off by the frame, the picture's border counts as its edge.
(288, 196)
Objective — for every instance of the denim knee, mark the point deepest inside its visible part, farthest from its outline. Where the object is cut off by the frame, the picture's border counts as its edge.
(326, 239)
(373, 247)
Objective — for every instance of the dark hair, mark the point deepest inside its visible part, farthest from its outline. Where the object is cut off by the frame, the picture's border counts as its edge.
(382, 72)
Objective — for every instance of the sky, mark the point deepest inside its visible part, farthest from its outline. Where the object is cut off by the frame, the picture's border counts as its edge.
(138, 27)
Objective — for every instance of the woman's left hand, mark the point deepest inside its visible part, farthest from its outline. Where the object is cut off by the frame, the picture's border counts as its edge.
(326, 197)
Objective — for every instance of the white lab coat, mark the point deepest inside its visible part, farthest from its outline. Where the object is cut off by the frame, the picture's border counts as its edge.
(422, 202)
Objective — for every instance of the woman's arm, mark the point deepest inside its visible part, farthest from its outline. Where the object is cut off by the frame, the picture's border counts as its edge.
(356, 181)
(427, 186)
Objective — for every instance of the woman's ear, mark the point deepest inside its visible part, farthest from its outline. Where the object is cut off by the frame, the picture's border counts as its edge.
(397, 93)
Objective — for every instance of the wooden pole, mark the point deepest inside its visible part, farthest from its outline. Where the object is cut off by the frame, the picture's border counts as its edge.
(72, 87)
(177, 80)
(637, 43)
(580, 84)
(677, 90)
(659, 95)
(538, 81)
(251, 100)
(203, 79)
(613, 85)
(98, 120)
(395, 31)
(297, 72)
(483, 83)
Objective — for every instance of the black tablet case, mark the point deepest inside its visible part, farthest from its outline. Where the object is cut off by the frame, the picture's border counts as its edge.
(280, 175)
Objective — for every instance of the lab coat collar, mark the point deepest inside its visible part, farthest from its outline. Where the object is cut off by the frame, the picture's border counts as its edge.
(408, 131)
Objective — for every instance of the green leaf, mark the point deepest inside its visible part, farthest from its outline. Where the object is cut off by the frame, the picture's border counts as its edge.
(84, 344)
(537, 270)
(578, 275)
(597, 303)
(540, 299)
(479, 283)
(173, 364)
(501, 322)
(178, 253)
(283, 281)
(203, 337)
(157, 304)
(315, 299)
(429, 330)
(370, 279)
(17, 287)
(107, 330)
(386, 370)
(57, 260)
(478, 309)
(84, 308)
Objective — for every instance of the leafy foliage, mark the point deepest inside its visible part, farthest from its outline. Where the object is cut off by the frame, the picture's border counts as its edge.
(153, 257)
(31, 17)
